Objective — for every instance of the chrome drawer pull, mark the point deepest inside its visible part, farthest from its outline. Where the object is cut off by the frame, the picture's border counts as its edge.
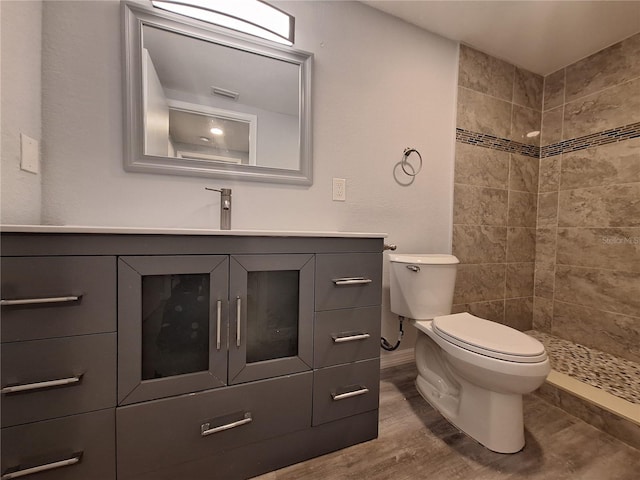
(350, 338)
(205, 430)
(355, 393)
(238, 320)
(36, 301)
(218, 320)
(351, 281)
(42, 468)
(40, 385)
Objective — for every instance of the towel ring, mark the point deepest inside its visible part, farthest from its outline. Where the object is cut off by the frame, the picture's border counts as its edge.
(404, 163)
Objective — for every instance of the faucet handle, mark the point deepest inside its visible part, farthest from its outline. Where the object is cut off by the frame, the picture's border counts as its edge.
(223, 191)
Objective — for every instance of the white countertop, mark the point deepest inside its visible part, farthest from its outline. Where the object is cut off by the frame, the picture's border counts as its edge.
(181, 231)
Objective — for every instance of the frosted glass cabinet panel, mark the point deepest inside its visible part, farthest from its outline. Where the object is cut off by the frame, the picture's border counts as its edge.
(172, 325)
(271, 315)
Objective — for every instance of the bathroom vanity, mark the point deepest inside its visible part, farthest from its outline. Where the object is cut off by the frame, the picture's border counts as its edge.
(164, 354)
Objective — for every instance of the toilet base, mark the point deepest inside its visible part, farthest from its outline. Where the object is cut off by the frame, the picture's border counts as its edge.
(493, 419)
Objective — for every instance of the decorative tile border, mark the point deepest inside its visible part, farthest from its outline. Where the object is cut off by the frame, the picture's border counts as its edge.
(612, 135)
(496, 143)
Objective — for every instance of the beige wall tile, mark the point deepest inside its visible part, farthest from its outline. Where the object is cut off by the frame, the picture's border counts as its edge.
(546, 245)
(614, 107)
(549, 174)
(609, 248)
(544, 281)
(609, 332)
(518, 313)
(523, 121)
(609, 290)
(481, 166)
(611, 206)
(527, 89)
(481, 113)
(523, 173)
(604, 165)
(521, 244)
(479, 205)
(611, 66)
(519, 280)
(554, 90)
(493, 311)
(542, 314)
(486, 74)
(522, 209)
(547, 209)
(479, 283)
(479, 244)
(552, 126)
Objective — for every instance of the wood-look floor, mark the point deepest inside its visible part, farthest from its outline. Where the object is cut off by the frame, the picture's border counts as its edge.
(415, 442)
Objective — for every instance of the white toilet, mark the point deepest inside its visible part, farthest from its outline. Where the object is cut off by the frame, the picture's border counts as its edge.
(473, 371)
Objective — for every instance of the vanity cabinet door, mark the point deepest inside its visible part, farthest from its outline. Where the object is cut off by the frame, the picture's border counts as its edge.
(172, 325)
(271, 316)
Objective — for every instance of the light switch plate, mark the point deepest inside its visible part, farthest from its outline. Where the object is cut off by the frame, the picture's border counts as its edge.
(29, 154)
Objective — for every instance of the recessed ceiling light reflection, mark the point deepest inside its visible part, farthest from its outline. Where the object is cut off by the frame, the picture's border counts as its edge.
(216, 131)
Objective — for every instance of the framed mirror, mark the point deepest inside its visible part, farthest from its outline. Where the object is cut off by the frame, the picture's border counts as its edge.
(200, 101)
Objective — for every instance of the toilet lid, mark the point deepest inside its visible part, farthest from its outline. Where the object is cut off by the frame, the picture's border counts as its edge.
(489, 338)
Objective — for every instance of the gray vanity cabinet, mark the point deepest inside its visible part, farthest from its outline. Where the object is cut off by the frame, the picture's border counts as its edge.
(160, 356)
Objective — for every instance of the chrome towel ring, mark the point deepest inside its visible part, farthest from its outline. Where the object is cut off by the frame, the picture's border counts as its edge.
(404, 163)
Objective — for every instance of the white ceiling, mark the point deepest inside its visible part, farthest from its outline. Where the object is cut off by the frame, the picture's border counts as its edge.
(540, 36)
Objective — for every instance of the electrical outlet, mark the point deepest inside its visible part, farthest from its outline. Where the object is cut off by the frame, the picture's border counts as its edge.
(339, 189)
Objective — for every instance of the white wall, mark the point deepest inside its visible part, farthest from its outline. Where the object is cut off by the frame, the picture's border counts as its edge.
(21, 26)
(379, 85)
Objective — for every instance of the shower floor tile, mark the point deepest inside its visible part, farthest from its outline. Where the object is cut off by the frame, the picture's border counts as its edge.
(612, 374)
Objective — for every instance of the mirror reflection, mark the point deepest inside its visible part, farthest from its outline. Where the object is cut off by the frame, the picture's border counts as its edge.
(215, 105)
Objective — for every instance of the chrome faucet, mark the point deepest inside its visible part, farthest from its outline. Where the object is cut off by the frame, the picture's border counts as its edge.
(225, 207)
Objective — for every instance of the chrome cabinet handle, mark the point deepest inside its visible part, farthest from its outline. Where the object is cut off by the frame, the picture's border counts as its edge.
(218, 320)
(238, 319)
(40, 385)
(36, 301)
(42, 468)
(205, 430)
(361, 391)
(351, 280)
(350, 338)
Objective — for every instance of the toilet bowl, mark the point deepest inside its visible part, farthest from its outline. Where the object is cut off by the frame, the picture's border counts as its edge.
(473, 371)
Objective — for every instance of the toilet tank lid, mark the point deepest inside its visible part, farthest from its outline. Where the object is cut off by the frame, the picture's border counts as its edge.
(423, 258)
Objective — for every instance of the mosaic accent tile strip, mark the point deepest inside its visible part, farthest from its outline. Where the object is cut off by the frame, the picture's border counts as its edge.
(618, 134)
(612, 135)
(496, 143)
(612, 374)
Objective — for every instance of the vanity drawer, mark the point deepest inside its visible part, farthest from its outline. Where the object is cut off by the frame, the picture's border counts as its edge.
(347, 335)
(345, 390)
(348, 280)
(45, 297)
(83, 369)
(166, 432)
(78, 447)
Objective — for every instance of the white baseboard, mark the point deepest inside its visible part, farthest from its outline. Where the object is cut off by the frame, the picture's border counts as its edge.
(396, 358)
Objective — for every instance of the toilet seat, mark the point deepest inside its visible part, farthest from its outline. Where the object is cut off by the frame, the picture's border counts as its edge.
(489, 338)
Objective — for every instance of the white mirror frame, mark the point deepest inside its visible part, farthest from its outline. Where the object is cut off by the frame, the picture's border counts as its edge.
(135, 16)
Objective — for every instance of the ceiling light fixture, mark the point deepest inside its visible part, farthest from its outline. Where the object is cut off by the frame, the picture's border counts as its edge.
(253, 17)
(216, 131)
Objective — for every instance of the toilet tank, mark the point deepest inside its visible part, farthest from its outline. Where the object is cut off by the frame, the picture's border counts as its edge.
(422, 285)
